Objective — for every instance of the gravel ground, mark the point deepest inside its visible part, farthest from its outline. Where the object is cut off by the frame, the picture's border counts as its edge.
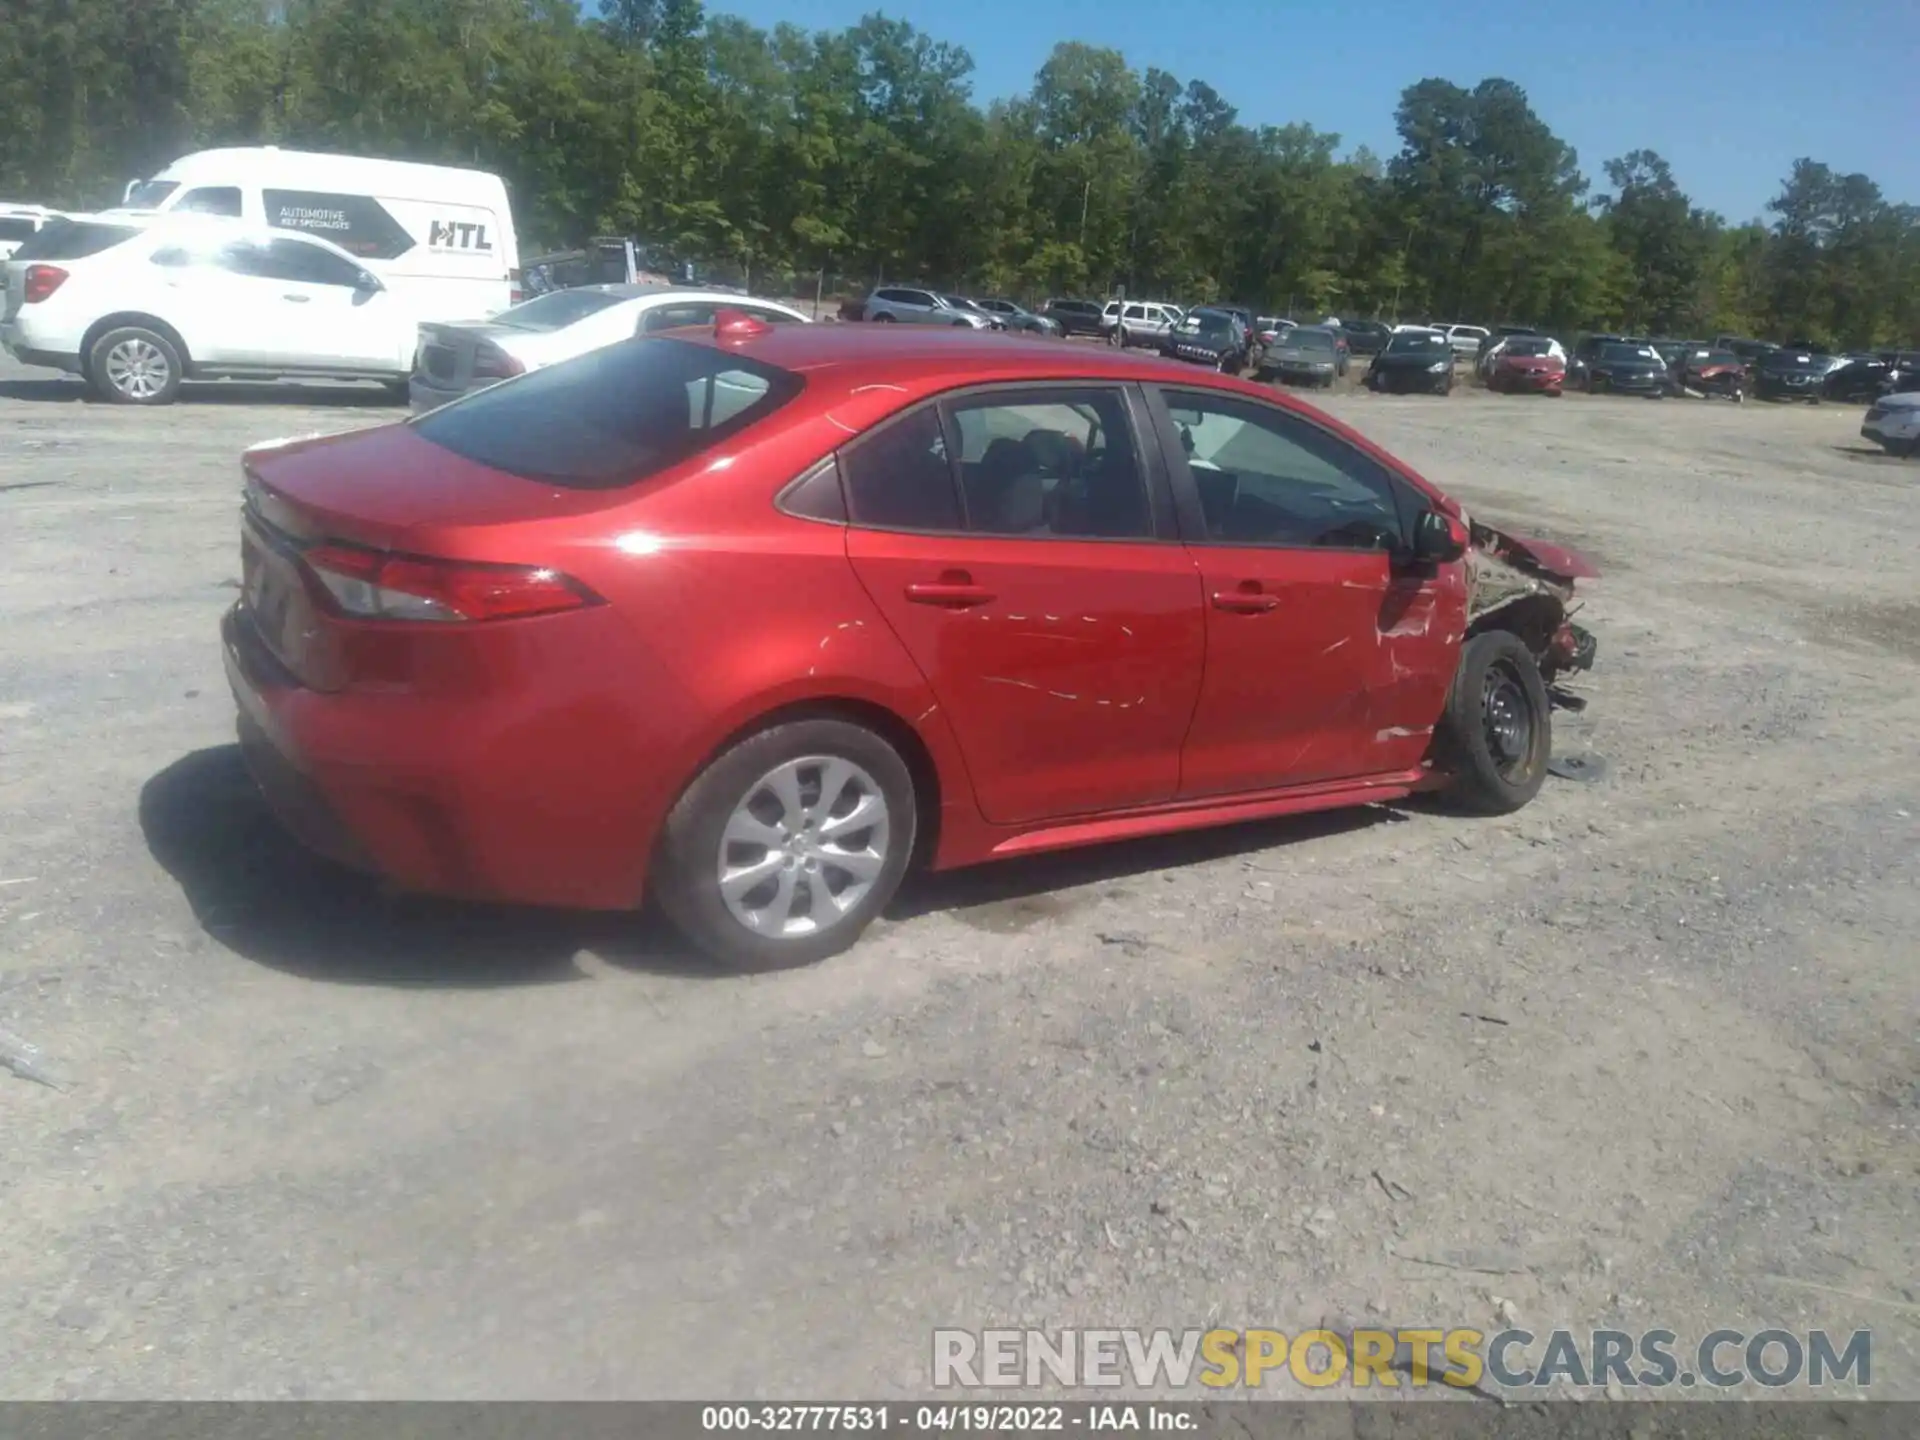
(1643, 1055)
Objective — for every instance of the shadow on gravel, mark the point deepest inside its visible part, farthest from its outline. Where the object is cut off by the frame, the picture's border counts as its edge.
(69, 390)
(1008, 895)
(260, 895)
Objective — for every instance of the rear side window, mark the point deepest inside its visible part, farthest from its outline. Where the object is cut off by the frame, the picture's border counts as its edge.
(612, 417)
(15, 227)
(73, 240)
(899, 478)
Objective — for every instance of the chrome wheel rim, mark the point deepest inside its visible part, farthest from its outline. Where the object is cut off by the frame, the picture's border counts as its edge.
(804, 847)
(1507, 717)
(137, 368)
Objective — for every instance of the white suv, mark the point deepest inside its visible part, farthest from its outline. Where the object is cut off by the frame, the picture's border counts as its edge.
(135, 306)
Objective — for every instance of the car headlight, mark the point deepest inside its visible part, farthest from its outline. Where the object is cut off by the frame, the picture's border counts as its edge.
(1439, 365)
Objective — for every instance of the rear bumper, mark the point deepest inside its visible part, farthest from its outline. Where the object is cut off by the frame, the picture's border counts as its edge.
(18, 342)
(437, 794)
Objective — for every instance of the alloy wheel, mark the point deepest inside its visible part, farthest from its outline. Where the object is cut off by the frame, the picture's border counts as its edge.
(137, 369)
(804, 847)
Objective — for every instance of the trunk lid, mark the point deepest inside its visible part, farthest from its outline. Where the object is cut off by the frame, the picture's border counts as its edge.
(385, 489)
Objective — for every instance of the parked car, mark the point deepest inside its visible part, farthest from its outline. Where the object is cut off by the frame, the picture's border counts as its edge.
(1013, 316)
(1867, 377)
(19, 223)
(1147, 322)
(1893, 423)
(1622, 367)
(1306, 354)
(1491, 352)
(1212, 337)
(1413, 360)
(1365, 337)
(1707, 372)
(1074, 317)
(1750, 352)
(1791, 375)
(914, 306)
(972, 307)
(1528, 363)
(135, 305)
(1269, 328)
(1466, 340)
(455, 359)
(440, 238)
(543, 647)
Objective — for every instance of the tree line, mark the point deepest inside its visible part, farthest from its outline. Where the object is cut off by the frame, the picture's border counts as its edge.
(860, 156)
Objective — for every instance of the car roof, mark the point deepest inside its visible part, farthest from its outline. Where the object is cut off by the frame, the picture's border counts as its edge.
(923, 360)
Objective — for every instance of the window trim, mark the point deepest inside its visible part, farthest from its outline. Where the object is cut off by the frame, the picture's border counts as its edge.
(1161, 510)
(1408, 499)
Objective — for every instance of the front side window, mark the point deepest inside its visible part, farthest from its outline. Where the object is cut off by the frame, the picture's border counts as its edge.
(1051, 464)
(1267, 478)
(613, 417)
(304, 264)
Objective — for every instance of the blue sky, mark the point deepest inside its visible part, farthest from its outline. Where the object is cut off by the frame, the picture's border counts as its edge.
(1729, 91)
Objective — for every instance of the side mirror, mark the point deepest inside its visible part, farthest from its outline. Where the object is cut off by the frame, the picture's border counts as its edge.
(1438, 539)
(367, 283)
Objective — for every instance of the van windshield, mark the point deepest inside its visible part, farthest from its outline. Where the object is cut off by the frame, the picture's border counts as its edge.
(149, 194)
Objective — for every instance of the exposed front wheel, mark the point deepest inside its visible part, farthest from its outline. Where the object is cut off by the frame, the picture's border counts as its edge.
(1497, 733)
(134, 366)
(787, 846)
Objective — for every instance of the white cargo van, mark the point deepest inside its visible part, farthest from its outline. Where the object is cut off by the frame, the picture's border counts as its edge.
(440, 236)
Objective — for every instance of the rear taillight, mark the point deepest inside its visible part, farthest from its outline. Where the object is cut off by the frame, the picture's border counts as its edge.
(490, 362)
(41, 281)
(514, 293)
(369, 585)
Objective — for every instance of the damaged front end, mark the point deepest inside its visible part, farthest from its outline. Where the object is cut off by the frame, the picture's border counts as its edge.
(1526, 587)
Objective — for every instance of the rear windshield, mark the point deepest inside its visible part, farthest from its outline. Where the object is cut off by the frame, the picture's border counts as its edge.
(73, 240)
(612, 417)
(558, 310)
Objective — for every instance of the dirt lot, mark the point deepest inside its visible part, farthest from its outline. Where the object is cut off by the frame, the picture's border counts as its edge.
(1642, 1056)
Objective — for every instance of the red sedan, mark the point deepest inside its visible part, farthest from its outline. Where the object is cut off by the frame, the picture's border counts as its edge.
(1526, 363)
(749, 620)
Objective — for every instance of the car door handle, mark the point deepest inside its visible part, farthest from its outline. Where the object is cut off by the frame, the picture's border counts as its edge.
(1245, 602)
(297, 299)
(952, 594)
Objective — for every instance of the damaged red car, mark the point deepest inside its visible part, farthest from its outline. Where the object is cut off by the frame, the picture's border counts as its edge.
(1529, 364)
(750, 620)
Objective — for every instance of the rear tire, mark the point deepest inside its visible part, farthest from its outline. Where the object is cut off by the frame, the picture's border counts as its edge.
(133, 365)
(764, 815)
(1497, 733)
(883, 320)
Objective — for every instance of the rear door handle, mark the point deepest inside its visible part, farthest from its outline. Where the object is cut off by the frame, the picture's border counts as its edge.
(1245, 602)
(953, 595)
